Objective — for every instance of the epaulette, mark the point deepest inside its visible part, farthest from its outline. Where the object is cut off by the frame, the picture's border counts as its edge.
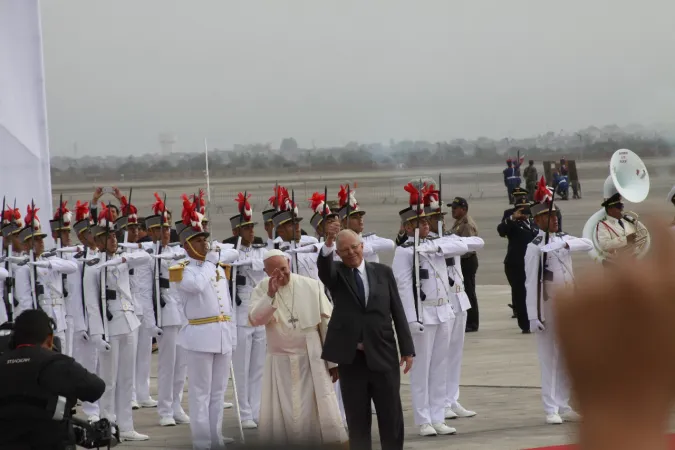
(561, 234)
(448, 233)
(307, 244)
(537, 240)
(407, 244)
(365, 235)
(259, 245)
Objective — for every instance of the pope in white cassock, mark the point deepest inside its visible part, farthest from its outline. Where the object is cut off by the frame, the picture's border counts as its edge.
(298, 401)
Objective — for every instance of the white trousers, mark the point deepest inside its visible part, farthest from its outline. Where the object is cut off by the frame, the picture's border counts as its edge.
(555, 388)
(70, 332)
(429, 373)
(249, 362)
(117, 370)
(142, 357)
(86, 354)
(455, 354)
(171, 373)
(208, 374)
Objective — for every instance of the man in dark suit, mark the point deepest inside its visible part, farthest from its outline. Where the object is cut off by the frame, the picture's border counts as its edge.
(360, 338)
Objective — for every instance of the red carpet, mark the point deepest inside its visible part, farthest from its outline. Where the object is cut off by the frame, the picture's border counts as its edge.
(575, 447)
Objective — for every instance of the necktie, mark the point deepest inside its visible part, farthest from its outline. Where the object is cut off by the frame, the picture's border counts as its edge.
(359, 286)
(621, 223)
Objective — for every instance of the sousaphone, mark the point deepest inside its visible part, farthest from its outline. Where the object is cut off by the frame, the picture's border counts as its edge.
(629, 177)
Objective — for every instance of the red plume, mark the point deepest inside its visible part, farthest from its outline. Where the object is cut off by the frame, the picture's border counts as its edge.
(127, 208)
(342, 196)
(274, 200)
(191, 218)
(198, 202)
(414, 194)
(543, 193)
(32, 218)
(67, 215)
(12, 215)
(158, 207)
(317, 202)
(81, 210)
(430, 196)
(243, 206)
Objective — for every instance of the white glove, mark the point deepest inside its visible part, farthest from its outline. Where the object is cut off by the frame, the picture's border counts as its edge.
(18, 259)
(536, 326)
(246, 262)
(156, 332)
(41, 264)
(416, 328)
(113, 262)
(553, 246)
(129, 245)
(100, 344)
(82, 335)
(171, 256)
(213, 258)
(427, 247)
(220, 246)
(307, 248)
(69, 249)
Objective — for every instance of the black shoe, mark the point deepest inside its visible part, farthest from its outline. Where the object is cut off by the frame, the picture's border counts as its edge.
(471, 329)
(526, 331)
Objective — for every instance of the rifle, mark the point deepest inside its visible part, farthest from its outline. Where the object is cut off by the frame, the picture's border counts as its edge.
(158, 303)
(10, 303)
(416, 262)
(126, 229)
(233, 277)
(349, 205)
(59, 244)
(276, 207)
(324, 213)
(295, 238)
(7, 282)
(544, 261)
(440, 207)
(35, 292)
(105, 314)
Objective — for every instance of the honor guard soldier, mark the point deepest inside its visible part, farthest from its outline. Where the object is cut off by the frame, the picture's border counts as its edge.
(40, 283)
(351, 217)
(112, 322)
(11, 250)
(459, 301)
(172, 363)
(429, 323)
(548, 267)
(616, 231)
(85, 350)
(143, 287)
(249, 355)
(210, 334)
(518, 227)
(60, 226)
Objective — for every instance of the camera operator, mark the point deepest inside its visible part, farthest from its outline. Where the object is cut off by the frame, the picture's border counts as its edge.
(39, 387)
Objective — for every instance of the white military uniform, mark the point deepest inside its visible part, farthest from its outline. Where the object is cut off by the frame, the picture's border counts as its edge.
(116, 365)
(459, 302)
(51, 300)
(249, 356)
(172, 362)
(428, 376)
(373, 245)
(612, 233)
(141, 294)
(209, 338)
(555, 390)
(4, 273)
(85, 351)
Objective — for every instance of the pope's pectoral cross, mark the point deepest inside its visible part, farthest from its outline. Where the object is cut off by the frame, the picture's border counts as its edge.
(293, 320)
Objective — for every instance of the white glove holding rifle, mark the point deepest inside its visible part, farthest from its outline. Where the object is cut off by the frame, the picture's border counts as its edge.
(129, 245)
(114, 262)
(553, 246)
(41, 264)
(100, 344)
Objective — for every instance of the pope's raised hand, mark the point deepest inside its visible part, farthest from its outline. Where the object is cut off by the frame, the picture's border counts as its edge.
(273, 285)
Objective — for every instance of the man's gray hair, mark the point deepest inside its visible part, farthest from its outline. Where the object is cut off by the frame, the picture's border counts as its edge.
(344, 233)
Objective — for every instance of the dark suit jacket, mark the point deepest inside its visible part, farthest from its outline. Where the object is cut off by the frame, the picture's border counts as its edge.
(233, 240)
(352, 323)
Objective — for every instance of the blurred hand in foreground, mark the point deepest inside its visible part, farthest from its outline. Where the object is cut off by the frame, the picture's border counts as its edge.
(617, 335)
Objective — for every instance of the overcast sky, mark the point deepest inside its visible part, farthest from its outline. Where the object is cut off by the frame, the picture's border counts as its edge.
(331, 71)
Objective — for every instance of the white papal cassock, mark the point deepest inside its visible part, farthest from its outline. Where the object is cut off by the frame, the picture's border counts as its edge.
(298, 401)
